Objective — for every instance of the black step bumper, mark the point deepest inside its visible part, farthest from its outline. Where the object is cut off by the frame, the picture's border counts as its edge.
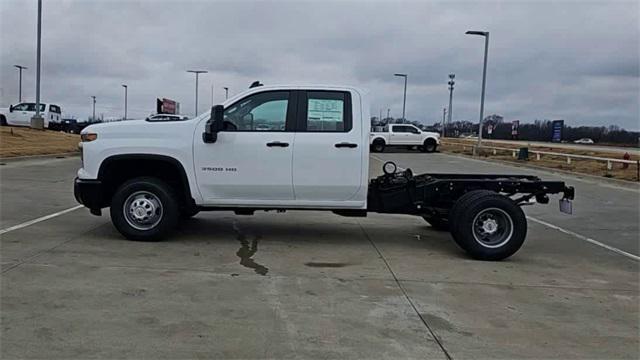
(89, 193)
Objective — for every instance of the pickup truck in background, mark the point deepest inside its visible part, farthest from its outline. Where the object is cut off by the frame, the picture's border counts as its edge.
(289, 148)
(21, 114)
(404, 135)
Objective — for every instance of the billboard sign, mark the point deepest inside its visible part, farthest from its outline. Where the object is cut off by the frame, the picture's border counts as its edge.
(167, 106)
(556, 130)
(514, 128)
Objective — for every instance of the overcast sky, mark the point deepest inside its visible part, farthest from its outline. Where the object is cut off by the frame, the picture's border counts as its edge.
(569, 60)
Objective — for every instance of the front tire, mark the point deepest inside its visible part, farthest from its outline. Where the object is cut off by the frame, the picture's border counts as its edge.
(144, 209)
(3, 121)
(429, 146)
(489, 226)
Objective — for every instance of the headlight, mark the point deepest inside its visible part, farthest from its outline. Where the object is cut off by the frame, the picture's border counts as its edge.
(88, 137)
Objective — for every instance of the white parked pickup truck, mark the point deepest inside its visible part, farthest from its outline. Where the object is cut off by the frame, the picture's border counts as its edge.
(404, 135)
(21, 114)
(288, 147)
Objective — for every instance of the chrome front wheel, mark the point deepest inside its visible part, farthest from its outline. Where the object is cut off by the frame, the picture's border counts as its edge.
(142, 210)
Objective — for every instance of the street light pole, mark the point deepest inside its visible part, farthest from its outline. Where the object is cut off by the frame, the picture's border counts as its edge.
(484, 79)
(388, 112)
(226, 93)
(125, 101)
(197, 72)
(404, 99)
(451, 83)
(93, 118)
(37, 121)
(20, 68)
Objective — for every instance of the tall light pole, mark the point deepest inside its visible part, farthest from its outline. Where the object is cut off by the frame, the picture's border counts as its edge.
(37, 121)
(388, 112)
(20, 68)
(404, 99)
(226, 93)
(484, 79)
(451, 83)
(197, 72)
(125, 101)
(211, 94)
(93, 118)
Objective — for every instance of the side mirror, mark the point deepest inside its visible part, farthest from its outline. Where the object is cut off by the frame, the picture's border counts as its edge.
(214, 125)
(10, 108)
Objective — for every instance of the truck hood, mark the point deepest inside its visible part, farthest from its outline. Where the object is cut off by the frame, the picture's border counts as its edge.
(139, 129)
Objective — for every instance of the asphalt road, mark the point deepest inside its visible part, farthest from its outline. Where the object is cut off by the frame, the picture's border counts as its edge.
(312, 284)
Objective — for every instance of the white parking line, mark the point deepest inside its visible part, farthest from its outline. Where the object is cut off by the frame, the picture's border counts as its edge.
(587, 239)
(40, 219)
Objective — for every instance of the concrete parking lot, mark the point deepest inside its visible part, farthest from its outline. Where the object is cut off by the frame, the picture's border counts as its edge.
(309, 284)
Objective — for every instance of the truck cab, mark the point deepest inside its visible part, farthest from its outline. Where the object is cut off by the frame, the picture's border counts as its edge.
(277, 147)
(281, 148)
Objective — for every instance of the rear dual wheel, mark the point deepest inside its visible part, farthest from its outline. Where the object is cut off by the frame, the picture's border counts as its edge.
(487, 225)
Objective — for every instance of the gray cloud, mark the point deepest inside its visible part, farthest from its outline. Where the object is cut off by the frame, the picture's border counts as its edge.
(572, 60)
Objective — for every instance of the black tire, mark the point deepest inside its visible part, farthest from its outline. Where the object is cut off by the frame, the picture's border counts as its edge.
(378, 146)
(188, 213)
(164, 196)
(3, 121)
(437, 223)
(429, 146)
(499, 236)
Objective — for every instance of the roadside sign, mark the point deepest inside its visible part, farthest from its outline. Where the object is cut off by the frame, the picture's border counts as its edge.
(556, 133)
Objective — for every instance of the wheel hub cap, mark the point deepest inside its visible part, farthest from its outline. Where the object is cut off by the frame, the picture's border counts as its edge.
(143, 210)
(490, 226)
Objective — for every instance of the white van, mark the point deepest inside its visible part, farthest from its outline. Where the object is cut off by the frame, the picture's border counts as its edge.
(21, 114)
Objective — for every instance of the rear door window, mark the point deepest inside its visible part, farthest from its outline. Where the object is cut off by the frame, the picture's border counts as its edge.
(326, 111)
(54, 109)
(402, 129)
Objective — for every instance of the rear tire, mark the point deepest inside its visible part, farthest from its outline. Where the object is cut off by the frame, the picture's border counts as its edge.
(488, 226)
(378, 146)
(144, 209)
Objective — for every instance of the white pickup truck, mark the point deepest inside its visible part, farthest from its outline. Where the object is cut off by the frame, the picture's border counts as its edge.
(288, 147)
(21, 114)
(404, 135)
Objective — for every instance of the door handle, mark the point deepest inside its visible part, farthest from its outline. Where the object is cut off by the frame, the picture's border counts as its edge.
(346, 145)
(277, 143)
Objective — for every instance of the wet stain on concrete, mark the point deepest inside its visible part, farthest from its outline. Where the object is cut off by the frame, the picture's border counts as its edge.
(147, 320)
(134, 292)
(247, 250)
(326, 264)
(438, 323)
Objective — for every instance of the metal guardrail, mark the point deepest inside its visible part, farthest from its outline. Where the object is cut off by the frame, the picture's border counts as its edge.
(538, 153)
